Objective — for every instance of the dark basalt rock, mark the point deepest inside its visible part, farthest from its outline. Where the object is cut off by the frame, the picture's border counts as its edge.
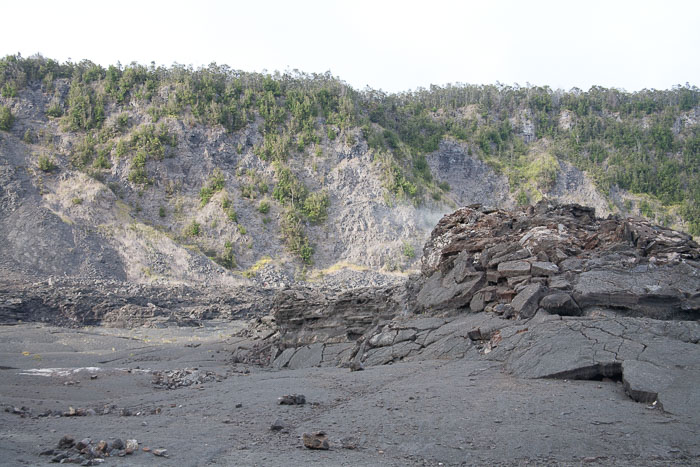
(529, 255)
(560, 303)
(657, 361)
(317, 440)
(549, 291)
(308, 316)
(72, 302)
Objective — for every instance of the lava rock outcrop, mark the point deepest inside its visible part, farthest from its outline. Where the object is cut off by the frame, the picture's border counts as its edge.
(559, 258)
(550, 291)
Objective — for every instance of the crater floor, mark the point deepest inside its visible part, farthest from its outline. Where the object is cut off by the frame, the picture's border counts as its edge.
(436, 412)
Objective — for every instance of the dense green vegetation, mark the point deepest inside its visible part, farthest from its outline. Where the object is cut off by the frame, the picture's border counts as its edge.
(46, 164)
(293, 232)
(647, 142)
(300, 205)
(193, 229)
(215, 184)
(642, 142)
(6, 118)
(227, 259)
(264, 207)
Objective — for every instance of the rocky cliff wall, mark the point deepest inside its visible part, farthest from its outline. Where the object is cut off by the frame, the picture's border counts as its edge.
(98, 224)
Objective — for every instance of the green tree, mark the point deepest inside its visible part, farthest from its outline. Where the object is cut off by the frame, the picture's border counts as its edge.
(6, 118)
(192, 229)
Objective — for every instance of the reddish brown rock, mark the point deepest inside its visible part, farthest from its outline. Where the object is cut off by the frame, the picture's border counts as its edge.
(317, 440)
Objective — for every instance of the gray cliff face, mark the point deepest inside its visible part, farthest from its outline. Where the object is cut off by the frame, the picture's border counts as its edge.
(38, 242)
(471, 180)
(65, 222)
(574, 186)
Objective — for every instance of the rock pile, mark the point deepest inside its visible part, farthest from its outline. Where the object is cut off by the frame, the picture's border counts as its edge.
(292, 399)
(87, 452)
(174, 379)
(317, 440)
(23, 411)
(27, 412)
(560, 258)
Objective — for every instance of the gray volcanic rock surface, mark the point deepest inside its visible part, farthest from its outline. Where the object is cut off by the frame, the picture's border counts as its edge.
(543, 335)
(551, 292)
(72, 303)
(452, 412)
(520, 257)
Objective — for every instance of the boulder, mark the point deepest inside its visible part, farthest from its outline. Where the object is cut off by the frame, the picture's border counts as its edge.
(481, 298)
(527, 301)
(560, 303)
(514, 268)
(656, 360)
(318, 440)
(660, 293)
(674, 389)
(442, 292)
(544, 268)
(306, 357)
(292, 399)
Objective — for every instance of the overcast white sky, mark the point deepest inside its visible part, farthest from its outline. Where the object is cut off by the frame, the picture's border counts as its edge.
(389, 45)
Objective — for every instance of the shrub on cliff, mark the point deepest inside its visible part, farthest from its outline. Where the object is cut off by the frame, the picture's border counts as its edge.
(6, 118)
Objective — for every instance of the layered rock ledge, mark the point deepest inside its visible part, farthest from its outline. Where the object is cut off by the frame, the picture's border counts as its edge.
(550, 291)
(559, 258)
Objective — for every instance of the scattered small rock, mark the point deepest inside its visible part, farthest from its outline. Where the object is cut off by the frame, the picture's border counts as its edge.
(102, 446)
(66, 442)
(475, 335)
(60, 457)
(83, 443)
(292, 399)
(348, 443)
(84, 452)
(21, 411)
(182, 378)
(131, 446)
(317, 440)
(277, 425)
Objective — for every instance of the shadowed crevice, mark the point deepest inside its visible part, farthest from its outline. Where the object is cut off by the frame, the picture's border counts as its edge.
(595, 372)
